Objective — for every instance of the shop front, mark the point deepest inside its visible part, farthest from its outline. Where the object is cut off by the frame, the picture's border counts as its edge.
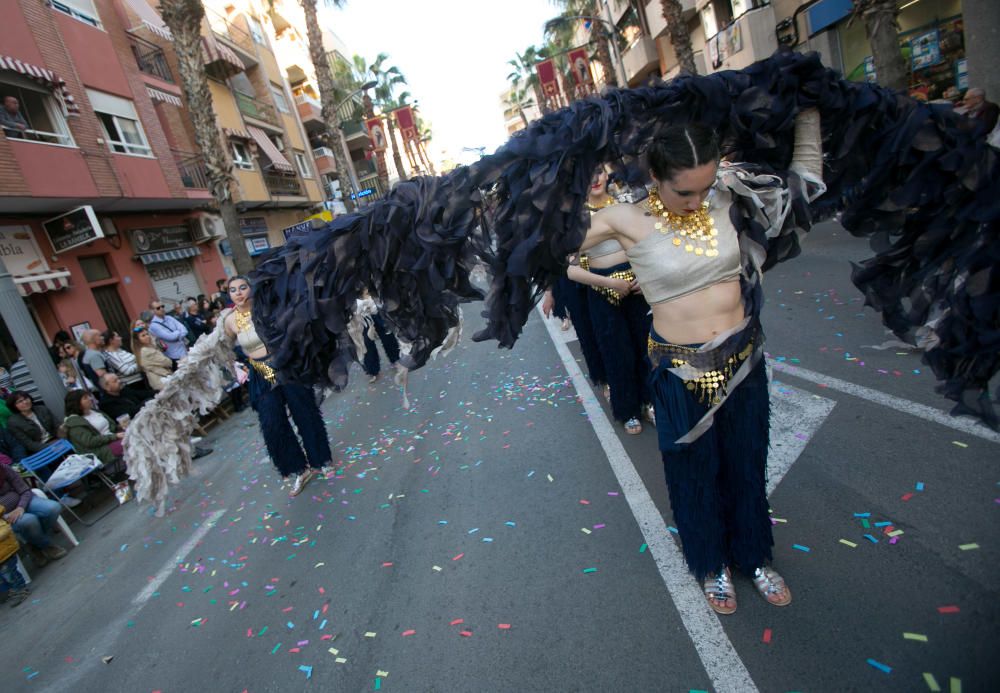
(169, 256)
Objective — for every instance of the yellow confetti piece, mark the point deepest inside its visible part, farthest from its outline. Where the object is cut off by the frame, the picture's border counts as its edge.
(334, 651)
(779, 519)
(369, 634)
(381, 673)
(968, 547)
(931, 682)
(235, 604)
(340, 660)
(848, 543)
(955, 685)
(585, 530)
(895, 533)
(549, 477)
(915, 636)
(959, 444)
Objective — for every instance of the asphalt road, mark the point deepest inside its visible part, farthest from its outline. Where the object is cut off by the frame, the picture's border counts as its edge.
(481, 541)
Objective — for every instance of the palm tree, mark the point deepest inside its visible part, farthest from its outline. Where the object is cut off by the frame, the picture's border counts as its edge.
(387, 80)
(386, 77)
(183, 18)
(882, 28)
(564, 28)
(679, 36)
(524, 71)
(424, 135)
(519, 100)
(327, 92)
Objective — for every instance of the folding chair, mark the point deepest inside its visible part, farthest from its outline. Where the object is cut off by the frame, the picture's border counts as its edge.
(54, 452)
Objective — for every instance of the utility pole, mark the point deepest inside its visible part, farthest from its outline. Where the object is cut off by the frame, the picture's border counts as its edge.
(981, 19)
(33, 350)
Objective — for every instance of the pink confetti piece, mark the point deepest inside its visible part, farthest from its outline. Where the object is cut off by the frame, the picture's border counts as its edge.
(387, 565)
(465, 633)
(294, 649)
(906, 496)
(767, 636)
(408, 632)
(459, 556)
(287, 609)
(600, 526)
(457, 621)
(584, 502)
(948, 609)
(503, 626)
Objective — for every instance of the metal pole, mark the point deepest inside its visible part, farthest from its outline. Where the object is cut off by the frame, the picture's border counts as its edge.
(34, 351)
(619, 65)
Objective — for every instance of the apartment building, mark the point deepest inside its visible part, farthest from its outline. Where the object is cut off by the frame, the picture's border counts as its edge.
(732, 34)
(100, 199)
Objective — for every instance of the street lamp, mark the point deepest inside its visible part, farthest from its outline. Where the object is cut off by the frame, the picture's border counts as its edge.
(619, 66)
(353, 185)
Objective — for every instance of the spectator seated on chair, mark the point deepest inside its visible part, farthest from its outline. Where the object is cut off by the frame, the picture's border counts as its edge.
(119, 401)
(91, 431)
(31, 517)
(18, 588)
(32, 425)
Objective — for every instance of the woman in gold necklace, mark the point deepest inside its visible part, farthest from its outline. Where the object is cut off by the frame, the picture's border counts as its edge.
(697, 245)
(273, 401)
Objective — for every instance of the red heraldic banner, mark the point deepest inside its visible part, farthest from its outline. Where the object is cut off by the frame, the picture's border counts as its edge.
(581, 67)
(547, 77)
(376, 134)
(407, 123)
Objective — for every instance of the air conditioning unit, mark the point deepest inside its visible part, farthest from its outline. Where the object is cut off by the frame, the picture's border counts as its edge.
(207, 227)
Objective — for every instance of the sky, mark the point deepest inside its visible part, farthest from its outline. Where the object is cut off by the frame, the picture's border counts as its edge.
(453, 53)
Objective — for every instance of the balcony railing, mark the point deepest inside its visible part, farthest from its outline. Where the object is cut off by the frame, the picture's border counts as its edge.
(150, 59)
(227, 29)
(192, 168)
(253, 108)
(278, 184)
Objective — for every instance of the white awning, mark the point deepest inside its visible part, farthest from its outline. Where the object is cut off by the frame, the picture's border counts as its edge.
(213, 51)
(28, 284)
(44, 76)
(150, 18)
(278, 159)
(163, 96)
(169, 255)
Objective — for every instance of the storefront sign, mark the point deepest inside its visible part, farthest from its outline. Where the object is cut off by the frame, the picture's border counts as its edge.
(962, 74)
(73, 229)
(299, 229)
(20, 253)
(254, 230)
(925, 50)
(160, 239)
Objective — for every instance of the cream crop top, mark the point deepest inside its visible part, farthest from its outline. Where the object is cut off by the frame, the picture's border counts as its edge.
(246, 333)
(665, 271)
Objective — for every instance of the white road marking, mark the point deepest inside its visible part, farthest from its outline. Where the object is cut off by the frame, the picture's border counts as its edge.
(717, 654)
(171, 565)
(922, 411)
(795, 416)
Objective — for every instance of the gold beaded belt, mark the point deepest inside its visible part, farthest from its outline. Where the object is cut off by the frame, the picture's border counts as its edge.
(711, 369)
(610, 295)
(265, 370)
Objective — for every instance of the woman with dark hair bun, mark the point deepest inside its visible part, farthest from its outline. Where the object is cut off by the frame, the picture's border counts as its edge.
(697, 244)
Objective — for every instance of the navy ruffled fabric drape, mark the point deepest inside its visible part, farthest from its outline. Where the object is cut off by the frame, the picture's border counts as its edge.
(918, 180)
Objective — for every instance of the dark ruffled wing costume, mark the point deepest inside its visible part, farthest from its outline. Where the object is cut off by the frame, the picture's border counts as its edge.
(915, 178)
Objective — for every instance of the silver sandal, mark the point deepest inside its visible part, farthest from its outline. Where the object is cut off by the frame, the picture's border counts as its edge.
(720, 588)
(768, 582)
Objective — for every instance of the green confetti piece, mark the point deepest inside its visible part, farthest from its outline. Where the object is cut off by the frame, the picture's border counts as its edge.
(276, 648)
(642, 549)
(919, 637)
(590, 570)
(968, 547)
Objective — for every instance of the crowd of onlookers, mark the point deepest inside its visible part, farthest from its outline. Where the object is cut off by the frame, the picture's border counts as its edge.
(108, 379)
(981, 112)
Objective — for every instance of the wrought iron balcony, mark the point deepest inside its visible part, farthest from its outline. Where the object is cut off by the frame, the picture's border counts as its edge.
(192, 169)
(150, 59)
(252, 108)
(228, 29)
(279, 184)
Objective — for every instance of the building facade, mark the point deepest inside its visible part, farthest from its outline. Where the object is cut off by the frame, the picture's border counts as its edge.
(101, 203)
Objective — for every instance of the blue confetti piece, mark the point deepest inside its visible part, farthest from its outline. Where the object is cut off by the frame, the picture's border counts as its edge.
(920, 486)
(442, 522)
(488, 540)
(881, 667)
(307, 670)
(531, 473)
(511, 524)
(870, 538)
(882, 524)
(672, 529)
(290, 625)
(800, 547)
(322, 625)
(316, 614)
(862, 514)
(473, 530)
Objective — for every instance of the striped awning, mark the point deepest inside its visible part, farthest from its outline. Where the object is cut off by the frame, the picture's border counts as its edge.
(213, 51)
(161, 31)
(45, 77)
(238, 133)
(150, 19)
(157, 95)
(40, 282)
(278, 160)
(169, 255)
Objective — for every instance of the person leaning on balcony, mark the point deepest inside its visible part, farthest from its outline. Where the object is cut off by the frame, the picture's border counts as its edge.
(11, 120)
(153, 362)
(168, 329)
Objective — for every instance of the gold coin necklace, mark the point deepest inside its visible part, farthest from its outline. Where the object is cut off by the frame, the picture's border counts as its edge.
(695, 232)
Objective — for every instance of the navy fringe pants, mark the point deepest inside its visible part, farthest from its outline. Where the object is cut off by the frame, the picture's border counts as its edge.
(389, 342)
(273, 405)
(621, 333)
(717, 484)
(575, 296)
